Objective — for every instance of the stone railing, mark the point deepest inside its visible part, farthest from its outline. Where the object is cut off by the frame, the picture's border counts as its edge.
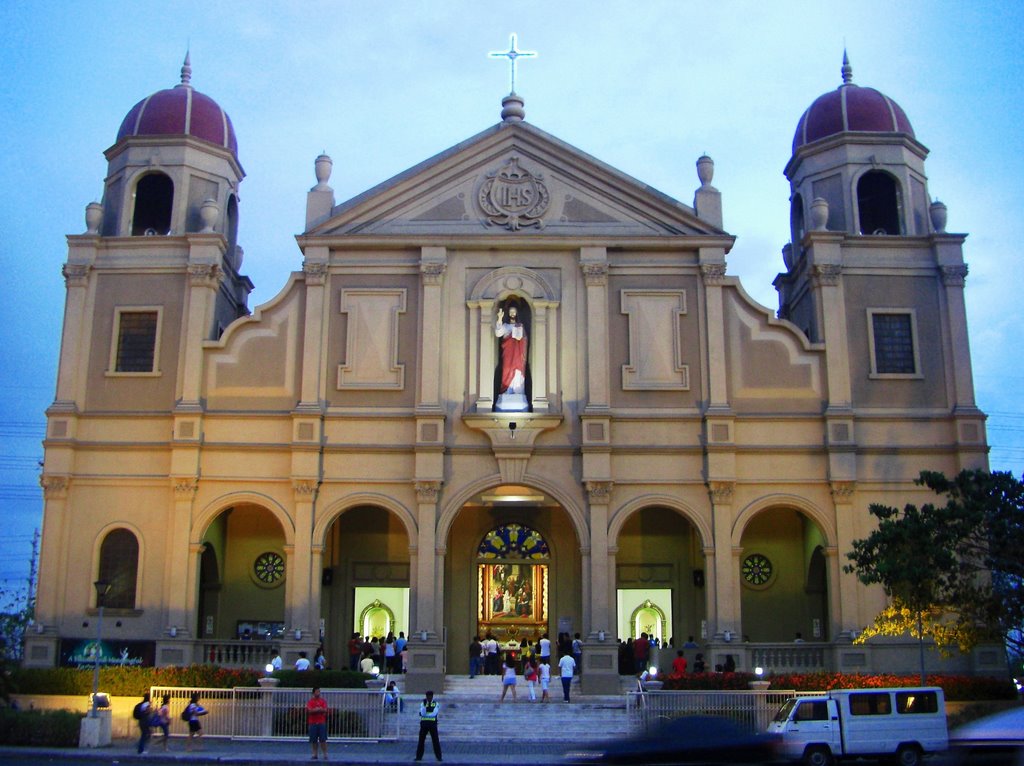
(237, 654)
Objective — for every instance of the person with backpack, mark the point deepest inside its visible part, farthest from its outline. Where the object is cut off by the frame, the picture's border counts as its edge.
(143, 714)
(531, 675)
(191, 714)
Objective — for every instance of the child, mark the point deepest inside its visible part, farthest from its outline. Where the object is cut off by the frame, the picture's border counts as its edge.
(192, 712)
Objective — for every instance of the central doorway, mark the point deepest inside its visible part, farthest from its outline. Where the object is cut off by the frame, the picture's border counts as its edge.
(512, 580)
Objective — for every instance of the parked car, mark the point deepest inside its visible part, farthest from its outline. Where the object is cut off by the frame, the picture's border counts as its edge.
(689, 740)
(997, 739)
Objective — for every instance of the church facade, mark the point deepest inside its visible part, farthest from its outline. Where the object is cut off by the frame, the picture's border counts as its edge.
(511, 390)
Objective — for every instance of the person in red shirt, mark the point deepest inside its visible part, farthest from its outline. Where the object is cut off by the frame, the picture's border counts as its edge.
(316, 717)
(678, 666)
(641, 652)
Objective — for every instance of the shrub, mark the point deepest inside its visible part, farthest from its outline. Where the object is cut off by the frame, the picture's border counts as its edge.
(325, 679)
(956, 688)
(127, 681)
(49, 728)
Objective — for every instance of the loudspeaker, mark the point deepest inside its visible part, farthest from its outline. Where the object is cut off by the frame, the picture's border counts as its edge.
(327, 577)
(698, 578)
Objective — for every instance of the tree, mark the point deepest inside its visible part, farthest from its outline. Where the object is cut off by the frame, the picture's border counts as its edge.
(953, 571)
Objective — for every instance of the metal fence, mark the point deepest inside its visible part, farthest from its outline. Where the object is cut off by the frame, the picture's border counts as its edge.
(248, 713)
(752, 709)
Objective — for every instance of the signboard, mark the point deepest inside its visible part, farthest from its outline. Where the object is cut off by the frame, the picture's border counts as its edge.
(82, 653)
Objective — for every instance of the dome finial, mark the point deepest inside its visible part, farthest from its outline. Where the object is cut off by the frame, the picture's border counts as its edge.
(186, 71)
(847, 69)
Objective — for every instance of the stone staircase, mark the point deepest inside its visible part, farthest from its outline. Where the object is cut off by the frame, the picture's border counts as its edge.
(470, 710)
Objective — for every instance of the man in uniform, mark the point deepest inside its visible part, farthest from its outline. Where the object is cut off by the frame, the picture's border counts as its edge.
(428, 725)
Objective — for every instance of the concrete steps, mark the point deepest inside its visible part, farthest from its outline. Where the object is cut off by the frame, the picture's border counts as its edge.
(470, 709)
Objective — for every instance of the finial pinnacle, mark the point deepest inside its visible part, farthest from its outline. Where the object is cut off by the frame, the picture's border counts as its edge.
(186, 71)
(847, 70)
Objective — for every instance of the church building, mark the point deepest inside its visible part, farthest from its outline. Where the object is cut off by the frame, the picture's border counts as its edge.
(511, 390)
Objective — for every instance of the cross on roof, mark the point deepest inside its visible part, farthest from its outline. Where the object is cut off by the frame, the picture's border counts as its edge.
(512, 54)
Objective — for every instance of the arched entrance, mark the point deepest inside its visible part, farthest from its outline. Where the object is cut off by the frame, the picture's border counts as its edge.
(364, 585)
(783, 581)
(513, 567)
(660, 577)
(242, 575)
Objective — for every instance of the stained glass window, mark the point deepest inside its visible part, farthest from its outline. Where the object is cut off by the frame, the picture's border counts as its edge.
(513, 541)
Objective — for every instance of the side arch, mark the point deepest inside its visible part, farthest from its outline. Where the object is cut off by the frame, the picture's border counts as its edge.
(622, 514)
(339, 506)
(202, 520)
(825, 521)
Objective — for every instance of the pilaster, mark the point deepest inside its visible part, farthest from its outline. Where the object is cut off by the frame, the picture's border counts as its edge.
(726, 573)
(177, 567)
(594, 264)
(426, 646)
(298, 606)
(843, 586)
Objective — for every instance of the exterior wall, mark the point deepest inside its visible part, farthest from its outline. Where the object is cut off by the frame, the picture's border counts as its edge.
(348, 422)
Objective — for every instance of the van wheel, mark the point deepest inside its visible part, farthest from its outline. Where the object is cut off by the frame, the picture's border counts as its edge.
(818, 755)
(908, 755)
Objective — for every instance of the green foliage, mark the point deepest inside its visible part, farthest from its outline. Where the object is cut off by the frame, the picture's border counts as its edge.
(325, 679)
(41, 728)
(955, 687)
(954, 571)
(17, 610)
(127, 681)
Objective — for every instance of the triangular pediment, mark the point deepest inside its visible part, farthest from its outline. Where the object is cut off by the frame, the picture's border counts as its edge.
(512, 178)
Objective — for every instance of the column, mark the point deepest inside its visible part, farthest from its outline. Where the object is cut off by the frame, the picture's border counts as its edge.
(314, 269)
(426, 647)
(178, 585)
(726, 574)
(73, 346)
(842, 587)
(599, 674)
(594, 264)
(299, 600)
(204, 278)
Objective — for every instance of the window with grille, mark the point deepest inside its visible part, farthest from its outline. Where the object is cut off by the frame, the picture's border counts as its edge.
(136, 340)
(893, 343)
(119, 566)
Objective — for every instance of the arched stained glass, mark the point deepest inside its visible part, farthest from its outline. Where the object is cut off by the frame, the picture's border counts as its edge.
(513, 541)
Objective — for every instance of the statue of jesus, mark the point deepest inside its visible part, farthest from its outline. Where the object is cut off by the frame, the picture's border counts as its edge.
(512, 389)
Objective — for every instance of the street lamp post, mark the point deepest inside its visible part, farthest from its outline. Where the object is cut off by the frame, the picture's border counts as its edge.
(102, 589)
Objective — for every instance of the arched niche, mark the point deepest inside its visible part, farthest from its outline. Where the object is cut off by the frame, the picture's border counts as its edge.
(879, 204)
(540, 300)
(153, 204)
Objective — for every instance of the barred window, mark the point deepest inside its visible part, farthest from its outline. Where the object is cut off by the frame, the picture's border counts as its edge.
(136, 341)
(119, 566)
(893, 350)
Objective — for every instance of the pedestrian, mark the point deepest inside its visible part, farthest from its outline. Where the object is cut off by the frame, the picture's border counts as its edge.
(195, 730)
(491, 658)
(355, 649)
(143, 713)
(319, 660)
(303, 662)
(566, 667)
(389, 654)
(316, 717)
(698, 663)
(508, 677)
(475, 652)
(530, 673)
(277, 663)
(393, 698)
(545, 648)
(162, 718)
(678, 666)
(577, 652)
(641, 653)
(544, 673)
(428, 725)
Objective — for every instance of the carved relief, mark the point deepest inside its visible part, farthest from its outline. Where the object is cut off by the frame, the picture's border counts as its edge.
(842, 491)
(432, 272)
(600, 492)
(75, 274)
(827, 274)
(205, 275)
(514, 197)
(954, 276)
(428, 491)
(712, 273)
(595, 274)
(184, 488)
(54, 486)
(721, 491)
(304, 489)
(316, 273)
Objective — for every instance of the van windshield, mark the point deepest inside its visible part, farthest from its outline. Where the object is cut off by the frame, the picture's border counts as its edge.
(785, 710)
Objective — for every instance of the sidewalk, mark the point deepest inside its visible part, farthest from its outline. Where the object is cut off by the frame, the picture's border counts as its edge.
(258, 752)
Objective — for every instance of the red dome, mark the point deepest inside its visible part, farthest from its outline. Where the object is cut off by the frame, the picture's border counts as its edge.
(180, 111)
(850, 108)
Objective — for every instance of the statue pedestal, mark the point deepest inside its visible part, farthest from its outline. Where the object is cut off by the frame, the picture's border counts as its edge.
(425, 665)
(600, 671)
(95, 729)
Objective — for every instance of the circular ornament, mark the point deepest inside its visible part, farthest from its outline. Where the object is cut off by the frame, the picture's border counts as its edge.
(268, 569)
(757, 570)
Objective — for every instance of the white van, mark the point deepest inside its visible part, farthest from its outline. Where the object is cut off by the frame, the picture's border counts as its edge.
(819, 729)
